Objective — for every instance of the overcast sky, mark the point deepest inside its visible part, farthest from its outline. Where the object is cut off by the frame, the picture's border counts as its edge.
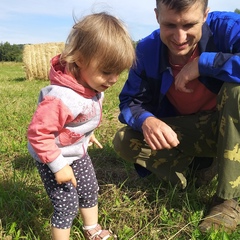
(42, 21)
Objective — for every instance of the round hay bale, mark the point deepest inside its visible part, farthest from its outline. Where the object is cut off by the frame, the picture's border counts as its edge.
(36, 59)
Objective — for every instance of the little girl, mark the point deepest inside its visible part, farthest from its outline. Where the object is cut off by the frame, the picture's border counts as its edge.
(97, 50)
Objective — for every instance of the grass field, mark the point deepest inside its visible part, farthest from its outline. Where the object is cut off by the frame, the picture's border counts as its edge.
(134, 208)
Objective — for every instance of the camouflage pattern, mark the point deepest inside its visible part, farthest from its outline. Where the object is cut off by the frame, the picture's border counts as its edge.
(205, 134)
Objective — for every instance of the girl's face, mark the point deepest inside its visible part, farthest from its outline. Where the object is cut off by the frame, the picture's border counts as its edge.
(93, 78)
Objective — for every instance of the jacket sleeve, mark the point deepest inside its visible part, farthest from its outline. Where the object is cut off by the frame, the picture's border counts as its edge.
(50, 117)
(135, 96)
(224, 64)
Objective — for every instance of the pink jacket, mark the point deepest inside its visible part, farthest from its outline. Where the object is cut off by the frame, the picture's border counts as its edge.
(66, 115)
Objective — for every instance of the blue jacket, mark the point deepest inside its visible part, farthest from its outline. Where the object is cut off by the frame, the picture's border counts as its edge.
(144, 93)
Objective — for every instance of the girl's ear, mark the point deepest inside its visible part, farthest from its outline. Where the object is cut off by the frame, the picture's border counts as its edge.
(79, 63)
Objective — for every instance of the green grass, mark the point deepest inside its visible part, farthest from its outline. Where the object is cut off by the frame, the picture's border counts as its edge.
(134, 208)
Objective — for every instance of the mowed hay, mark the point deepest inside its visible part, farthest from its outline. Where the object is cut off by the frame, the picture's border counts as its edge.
(36, 59)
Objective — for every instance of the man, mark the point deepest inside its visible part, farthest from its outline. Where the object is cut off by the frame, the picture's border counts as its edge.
(181, 101)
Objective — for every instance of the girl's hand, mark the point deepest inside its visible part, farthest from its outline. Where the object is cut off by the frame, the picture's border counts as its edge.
(66, 175)
(93, 140)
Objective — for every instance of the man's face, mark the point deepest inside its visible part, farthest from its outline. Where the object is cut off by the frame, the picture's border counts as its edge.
(181, 31)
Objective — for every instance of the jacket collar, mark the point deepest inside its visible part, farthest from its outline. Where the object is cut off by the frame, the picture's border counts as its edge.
(206, 43)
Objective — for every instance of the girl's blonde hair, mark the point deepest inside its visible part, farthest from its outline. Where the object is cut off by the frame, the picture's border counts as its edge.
(102, 38)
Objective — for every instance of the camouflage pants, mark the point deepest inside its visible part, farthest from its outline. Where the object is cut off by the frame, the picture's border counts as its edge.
(205, 134)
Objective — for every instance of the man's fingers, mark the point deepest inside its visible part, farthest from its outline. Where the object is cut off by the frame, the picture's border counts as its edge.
(157, 143)
(162, 141)
(183, 89)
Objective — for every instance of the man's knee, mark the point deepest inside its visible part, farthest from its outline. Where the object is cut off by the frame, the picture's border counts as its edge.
(229, 97)
(127, 143)
(230, 91)
(118, 139)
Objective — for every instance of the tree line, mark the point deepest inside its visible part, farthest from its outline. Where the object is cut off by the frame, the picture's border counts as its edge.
(11, 53)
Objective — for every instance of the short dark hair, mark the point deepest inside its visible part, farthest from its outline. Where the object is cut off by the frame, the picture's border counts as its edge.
(180, 5)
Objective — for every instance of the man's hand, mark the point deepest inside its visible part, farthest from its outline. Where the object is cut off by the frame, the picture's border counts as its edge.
(66, 175)
(188, 73)
(158, 134)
